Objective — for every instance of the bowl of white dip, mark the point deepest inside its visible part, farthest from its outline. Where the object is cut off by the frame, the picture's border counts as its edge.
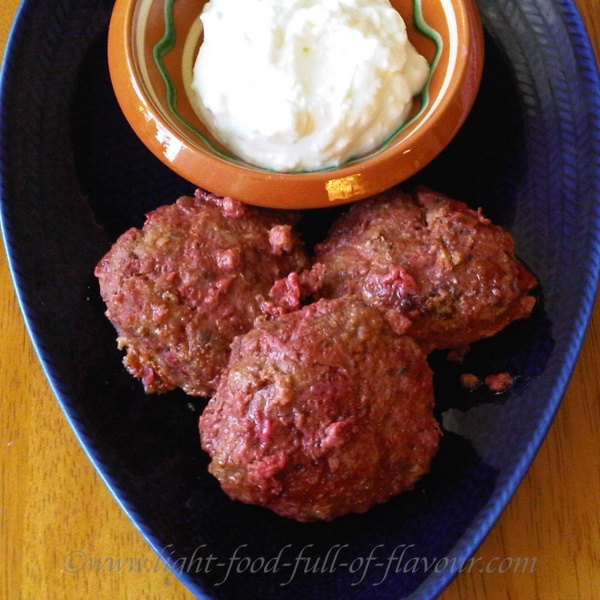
(297, 104)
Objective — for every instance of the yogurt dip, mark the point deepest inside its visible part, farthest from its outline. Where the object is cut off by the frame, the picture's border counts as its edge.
(303, 85)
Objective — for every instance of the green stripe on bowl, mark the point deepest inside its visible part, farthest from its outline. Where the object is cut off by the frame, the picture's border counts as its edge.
(167, 42)
(160, 50)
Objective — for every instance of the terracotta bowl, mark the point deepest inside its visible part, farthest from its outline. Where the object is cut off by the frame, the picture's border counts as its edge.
(152, 47)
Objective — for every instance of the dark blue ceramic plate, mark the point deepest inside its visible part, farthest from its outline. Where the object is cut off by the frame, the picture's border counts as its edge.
(74, 177)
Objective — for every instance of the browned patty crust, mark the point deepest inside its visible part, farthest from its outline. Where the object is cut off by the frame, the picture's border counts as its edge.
(321, 412)
(429, 259)
(181, 288)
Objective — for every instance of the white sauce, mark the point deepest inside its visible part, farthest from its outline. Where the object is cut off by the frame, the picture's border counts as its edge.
(304, 84)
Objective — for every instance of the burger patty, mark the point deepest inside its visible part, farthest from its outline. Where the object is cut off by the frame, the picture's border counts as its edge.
(181, 288)
(321, 412)
(430, 260)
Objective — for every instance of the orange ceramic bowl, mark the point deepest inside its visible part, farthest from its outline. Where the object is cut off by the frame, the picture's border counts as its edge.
(152, 47)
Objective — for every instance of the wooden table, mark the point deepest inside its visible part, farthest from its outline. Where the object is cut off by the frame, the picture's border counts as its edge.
(52, 502)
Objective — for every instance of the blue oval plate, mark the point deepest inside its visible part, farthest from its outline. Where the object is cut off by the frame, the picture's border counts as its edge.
(74, 177)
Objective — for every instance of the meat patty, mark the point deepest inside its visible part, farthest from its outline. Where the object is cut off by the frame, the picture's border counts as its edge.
(431, 260)
(321, 412)
(181, 288)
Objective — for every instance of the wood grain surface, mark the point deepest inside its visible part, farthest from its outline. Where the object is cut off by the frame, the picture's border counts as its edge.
(52, 502)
